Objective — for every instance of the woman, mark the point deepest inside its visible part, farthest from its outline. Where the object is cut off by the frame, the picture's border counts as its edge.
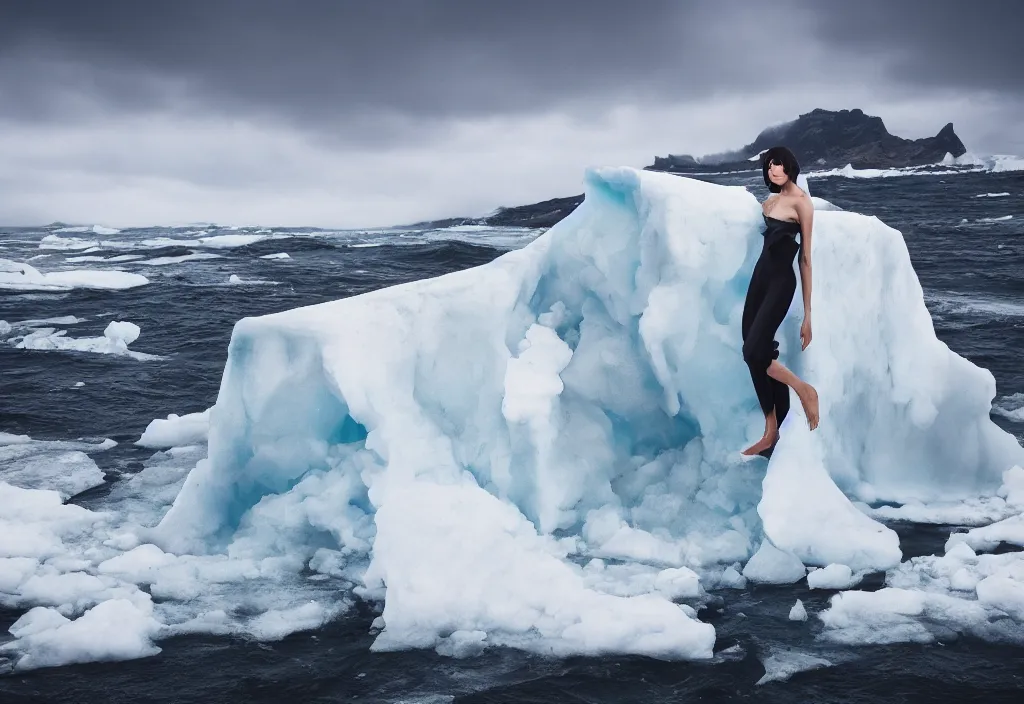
(787, 213)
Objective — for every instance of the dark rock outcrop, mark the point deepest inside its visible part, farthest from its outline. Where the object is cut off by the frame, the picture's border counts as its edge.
(543, 214)
(828, 139)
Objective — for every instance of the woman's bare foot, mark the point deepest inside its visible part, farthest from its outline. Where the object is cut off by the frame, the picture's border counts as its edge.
(763, 444)
(809, 399)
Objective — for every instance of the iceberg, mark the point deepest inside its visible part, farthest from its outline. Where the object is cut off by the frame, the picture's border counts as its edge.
(460, 448)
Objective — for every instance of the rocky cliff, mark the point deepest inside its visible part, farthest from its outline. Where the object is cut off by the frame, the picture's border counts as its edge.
(828, 139)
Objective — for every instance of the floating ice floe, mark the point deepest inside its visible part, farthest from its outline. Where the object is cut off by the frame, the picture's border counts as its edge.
(25, 277)
(64, 467)
(176, 431)
(116, 338)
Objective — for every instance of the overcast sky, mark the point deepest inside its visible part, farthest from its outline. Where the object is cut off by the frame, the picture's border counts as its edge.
(345, 113)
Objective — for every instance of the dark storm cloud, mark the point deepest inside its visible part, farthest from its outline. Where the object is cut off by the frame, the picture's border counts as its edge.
(319, 57)
(360, 112)
(334, 62)
(934, 43)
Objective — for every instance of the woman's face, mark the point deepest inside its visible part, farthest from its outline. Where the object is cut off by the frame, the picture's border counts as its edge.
(777, 174)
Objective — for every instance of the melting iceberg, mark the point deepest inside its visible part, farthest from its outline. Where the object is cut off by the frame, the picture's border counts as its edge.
(464, 446)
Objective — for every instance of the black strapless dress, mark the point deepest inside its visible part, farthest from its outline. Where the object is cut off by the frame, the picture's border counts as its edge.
(769, 296)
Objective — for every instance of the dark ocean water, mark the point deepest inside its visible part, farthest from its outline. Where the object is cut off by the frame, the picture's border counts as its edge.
(970, 263)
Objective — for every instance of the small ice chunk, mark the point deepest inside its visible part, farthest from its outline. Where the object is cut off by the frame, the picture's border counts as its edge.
(278, 623)
(988, 537)
(833, 576)
(61, 466)
(896, 615)
(461, 644)
(122, 333)
(784, 663)
(116, 338)
(14, 571)
(279, 255)
(116, 629)
(678, 583)
(138, 565)
(1003, 593)
(769, 565)
(25, 277)
(732, 579)
(1013, 487)
(176, 430)
(798, 612)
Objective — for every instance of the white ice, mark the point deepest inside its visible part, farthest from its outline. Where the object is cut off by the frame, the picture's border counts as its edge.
(176, 431)
(25, 277)
(608, 397)
(931, 597)
(116, 337)
(966, 163)
(782, 663)
(541, 452)
(832, 576)
(62, 466)
(798, 612)
(769, 565)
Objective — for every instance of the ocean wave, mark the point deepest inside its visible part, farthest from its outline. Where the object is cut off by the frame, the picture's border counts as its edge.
(956, 304)
(968, 163)
(1010, 407)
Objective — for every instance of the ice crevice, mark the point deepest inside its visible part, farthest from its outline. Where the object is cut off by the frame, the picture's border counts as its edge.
(542, 452)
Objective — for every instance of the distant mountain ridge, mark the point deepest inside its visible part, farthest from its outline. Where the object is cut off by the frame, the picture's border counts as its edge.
(826, 139)
(821, 139)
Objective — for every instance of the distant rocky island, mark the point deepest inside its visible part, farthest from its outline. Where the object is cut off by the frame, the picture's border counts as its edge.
(821, 139)
(827, 139)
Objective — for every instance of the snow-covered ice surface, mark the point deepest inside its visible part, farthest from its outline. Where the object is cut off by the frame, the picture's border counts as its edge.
(541, 453)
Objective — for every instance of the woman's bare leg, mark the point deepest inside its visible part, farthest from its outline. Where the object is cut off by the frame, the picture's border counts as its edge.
(771, 434)
(808, 396)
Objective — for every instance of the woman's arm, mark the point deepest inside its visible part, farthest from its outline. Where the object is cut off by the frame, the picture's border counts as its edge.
(805, 211)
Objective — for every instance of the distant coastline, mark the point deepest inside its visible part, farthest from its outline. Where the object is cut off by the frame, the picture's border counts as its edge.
(821, 139)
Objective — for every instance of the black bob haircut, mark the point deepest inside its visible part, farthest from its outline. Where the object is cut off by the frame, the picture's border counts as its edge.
(784, 157)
